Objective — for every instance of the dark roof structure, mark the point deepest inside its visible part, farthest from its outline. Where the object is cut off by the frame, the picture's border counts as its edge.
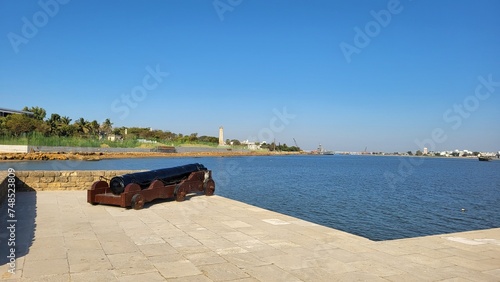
(5, 112)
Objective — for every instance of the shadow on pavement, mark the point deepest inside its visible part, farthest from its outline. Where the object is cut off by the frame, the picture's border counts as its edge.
(17, 231)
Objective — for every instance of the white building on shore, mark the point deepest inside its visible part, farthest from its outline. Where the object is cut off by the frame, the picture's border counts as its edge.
(250, 145)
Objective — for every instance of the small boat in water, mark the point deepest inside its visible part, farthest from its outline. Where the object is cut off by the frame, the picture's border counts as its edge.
(322, 151)
(484, 159)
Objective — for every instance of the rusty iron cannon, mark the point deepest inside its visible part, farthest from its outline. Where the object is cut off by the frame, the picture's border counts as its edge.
(136, 189)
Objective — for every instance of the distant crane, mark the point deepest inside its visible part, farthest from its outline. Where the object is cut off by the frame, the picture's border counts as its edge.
(294, 141)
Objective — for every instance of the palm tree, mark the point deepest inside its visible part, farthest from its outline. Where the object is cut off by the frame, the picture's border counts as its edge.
(65, 120)
(54, 121)
(107, 126)
(38, 113)
(81, 126)
(94, 127)
(64, 128)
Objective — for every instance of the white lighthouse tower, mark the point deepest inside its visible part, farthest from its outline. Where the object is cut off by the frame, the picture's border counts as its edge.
(221, 136)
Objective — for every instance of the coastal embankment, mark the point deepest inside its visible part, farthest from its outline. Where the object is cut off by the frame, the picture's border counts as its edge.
(96, 156)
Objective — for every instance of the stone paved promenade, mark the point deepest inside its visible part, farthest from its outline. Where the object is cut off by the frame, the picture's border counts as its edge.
(62, 238)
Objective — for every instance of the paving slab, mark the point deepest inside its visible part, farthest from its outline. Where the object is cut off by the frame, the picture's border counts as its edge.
(176, 269)
(63, 238)
(223, 272)
(83, 260)
(207, 258)
(94, 276)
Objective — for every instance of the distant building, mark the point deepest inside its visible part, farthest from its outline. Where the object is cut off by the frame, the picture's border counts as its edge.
(425, 151)
(114, 137)
(5, 112)
(250, 145)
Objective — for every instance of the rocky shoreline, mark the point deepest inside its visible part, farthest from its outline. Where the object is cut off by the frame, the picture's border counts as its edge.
(96, 156)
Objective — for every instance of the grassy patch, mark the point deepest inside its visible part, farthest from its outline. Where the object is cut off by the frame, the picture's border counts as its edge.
(37, 139)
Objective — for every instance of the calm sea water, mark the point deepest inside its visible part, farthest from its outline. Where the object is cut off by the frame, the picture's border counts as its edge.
(349, 193)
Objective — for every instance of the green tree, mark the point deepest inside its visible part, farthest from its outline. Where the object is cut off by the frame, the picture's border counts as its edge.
(3, 129)
(18, 124)
(193, 137)
(418, 153)
(42, 127)
(65, 120)
(65, 129)
(271, 147)
(169, 136)
(138, 132)
(38, 113)
(54, 122)
(54, 118)
(93, 127)
(208, 139)
(117, 131)
(107, 126)
(81, 126)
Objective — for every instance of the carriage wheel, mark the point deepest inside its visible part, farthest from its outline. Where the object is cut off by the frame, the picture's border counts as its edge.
(180, 196)
(137, 202)
(209, 187)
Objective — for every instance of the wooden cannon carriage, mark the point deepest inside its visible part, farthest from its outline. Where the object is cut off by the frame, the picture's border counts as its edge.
(136, 189)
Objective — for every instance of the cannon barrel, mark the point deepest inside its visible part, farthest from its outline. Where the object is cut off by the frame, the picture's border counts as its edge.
(144, 179)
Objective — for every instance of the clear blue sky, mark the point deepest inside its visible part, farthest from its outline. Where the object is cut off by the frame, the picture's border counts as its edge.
(233, 67)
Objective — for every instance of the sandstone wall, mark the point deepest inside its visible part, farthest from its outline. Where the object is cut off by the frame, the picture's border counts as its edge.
(41, 180)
